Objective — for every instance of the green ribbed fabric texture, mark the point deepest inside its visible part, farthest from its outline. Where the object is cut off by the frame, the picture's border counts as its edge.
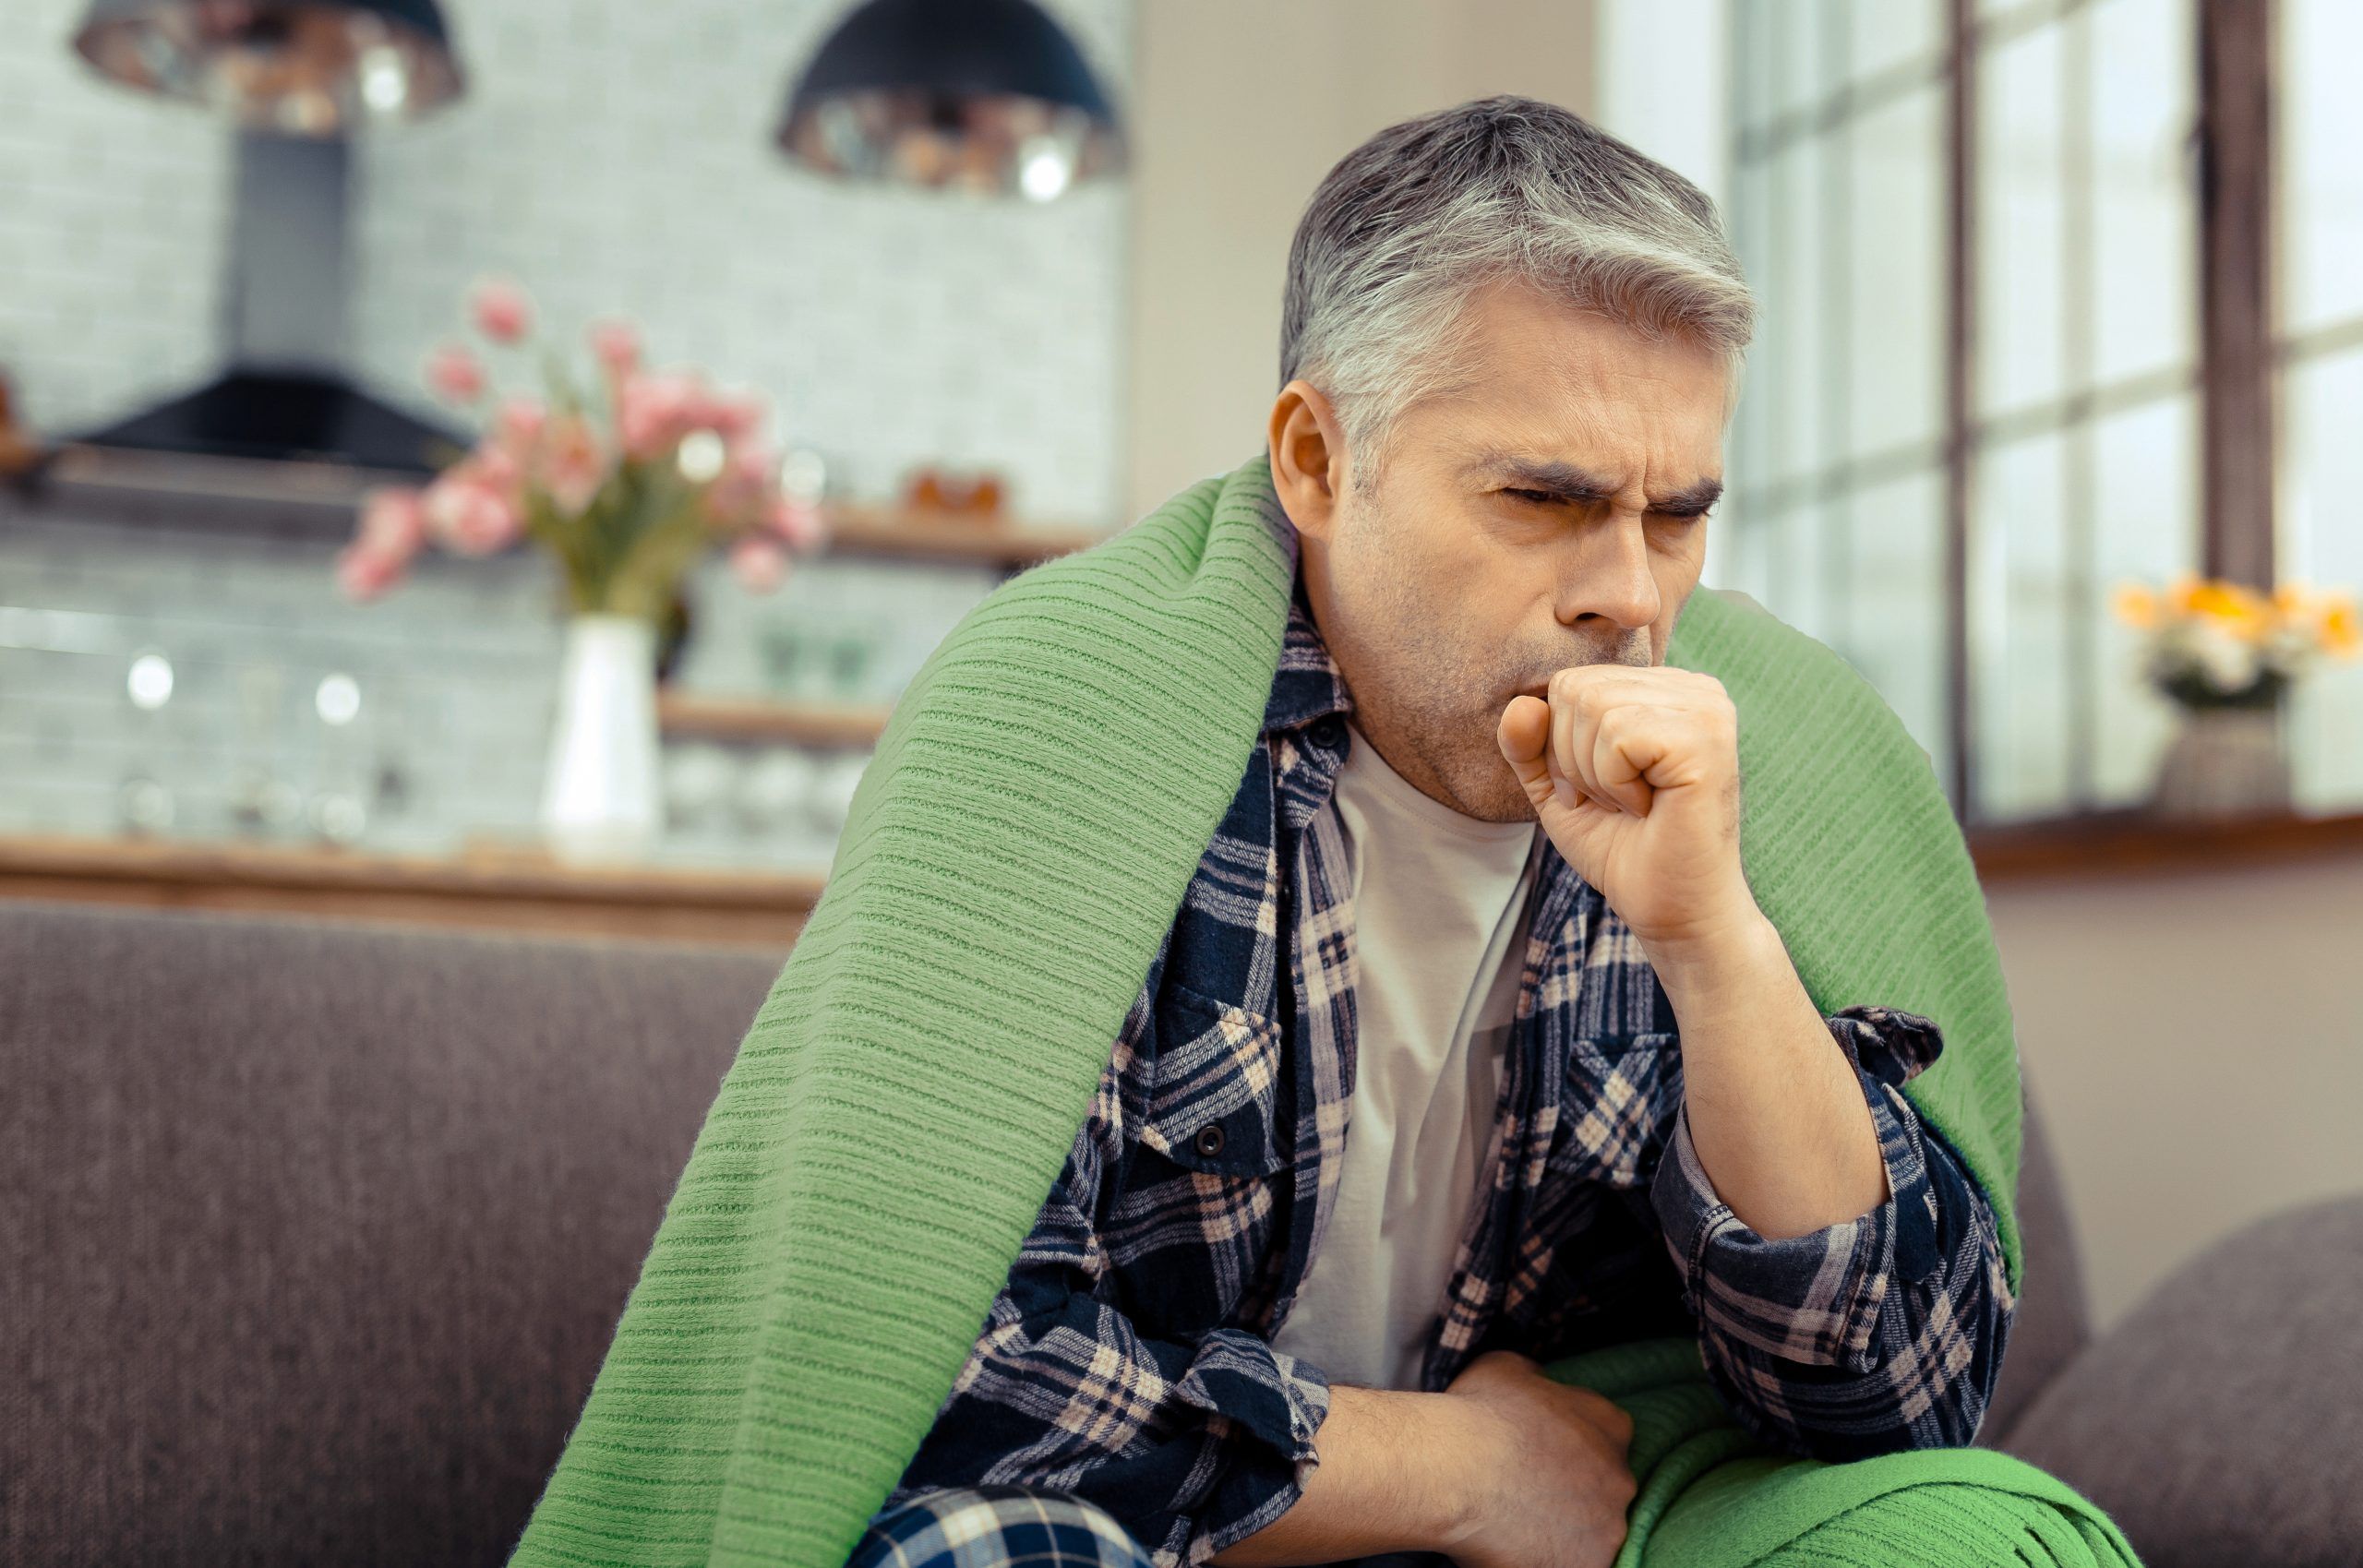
(908, 1092)
(1712, 1496)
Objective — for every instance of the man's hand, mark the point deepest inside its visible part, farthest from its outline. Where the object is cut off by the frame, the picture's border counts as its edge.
(1634, 771)
(1550, 1488)
(1504, 1469)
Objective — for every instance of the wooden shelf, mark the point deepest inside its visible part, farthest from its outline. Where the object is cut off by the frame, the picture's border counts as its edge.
(2111, 842)
(693, 715)
(949, 536)
(508, 886)
(323, 499)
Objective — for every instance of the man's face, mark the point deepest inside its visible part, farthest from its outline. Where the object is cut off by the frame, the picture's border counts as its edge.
(1547, 513)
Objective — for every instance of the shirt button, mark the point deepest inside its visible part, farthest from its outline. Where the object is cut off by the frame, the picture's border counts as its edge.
(1209, 1140)
(1327, 729)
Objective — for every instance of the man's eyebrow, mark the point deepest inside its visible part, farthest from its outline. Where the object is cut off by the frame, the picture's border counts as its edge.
(1567, 482)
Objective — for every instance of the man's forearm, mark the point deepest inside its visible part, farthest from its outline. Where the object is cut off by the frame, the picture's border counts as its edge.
(1776, 1110)
(1386, 1482)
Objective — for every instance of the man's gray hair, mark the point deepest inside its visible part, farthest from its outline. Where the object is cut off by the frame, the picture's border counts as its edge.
(1410, 224)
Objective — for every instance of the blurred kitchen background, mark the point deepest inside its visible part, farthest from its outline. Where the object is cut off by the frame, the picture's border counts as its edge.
(2059, 298)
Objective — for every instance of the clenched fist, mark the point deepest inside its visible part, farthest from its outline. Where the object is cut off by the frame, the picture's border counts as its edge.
(1634, 771)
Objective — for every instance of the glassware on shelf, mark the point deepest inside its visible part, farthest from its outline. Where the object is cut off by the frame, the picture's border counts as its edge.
(144, 801)
(773, 788)
(831, 791)
(336, 809)
(262, 804)
(699, 781)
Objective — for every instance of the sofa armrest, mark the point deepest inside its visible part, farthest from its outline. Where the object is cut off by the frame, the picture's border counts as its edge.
(2220, 1421)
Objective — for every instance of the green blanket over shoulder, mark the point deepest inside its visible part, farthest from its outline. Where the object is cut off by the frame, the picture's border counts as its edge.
(908, 1092)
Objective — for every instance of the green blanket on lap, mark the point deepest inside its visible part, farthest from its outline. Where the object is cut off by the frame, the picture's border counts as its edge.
(1713, 1497)
(908, 1091)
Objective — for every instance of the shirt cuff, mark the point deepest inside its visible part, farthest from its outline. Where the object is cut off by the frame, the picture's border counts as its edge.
(1269, 1436)
(1813, 1298)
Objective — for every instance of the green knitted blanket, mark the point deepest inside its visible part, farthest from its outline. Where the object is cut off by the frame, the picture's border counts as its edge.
(908, 1092)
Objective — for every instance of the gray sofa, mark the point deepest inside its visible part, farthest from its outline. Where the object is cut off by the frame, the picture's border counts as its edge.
(313, 1239)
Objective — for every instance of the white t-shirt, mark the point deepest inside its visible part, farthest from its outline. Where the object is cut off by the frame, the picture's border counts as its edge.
(1439, 917)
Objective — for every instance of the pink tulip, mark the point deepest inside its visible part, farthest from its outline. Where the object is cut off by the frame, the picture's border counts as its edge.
(362, 571)
(502, 311)
(469, 517)
(393, 521)
(759, 563)
(734, 500)
(453, 372)
(655, 411)
(573, 464)
(496, 468)
(799, 522)
(519, 424)
(738, 418)
(617, 343)
(755, 461)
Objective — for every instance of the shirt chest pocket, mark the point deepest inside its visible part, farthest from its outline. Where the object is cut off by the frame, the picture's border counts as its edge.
(1215, 1092)
(1618, 1096)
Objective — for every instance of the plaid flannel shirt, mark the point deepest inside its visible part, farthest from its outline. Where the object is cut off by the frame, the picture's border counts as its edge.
(1128, 1359)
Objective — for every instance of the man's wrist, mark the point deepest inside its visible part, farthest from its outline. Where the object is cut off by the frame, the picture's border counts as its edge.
(1469, 1454)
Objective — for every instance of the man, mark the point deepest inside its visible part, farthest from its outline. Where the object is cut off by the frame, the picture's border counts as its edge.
(1470, 1048)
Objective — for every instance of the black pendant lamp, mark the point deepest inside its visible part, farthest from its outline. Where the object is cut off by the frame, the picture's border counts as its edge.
(300, 67)
(983, 95)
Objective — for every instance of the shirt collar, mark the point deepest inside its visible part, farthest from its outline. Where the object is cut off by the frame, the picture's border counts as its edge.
(1307, 686)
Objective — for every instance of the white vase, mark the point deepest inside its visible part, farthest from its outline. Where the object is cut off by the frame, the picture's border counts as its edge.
(600, 796)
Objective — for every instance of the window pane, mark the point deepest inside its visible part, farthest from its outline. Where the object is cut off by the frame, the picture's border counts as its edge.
(2018, 643)
(2146, 530)
(2321, 127)
(1793, 330)
(1895, 634)
(2144, 233)
(2321, 546)
(2020, 325)
(1792, 28)
(1887, 34)
(1895, 293)
(1741, 560)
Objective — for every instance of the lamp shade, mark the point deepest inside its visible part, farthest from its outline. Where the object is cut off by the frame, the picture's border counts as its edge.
(986, 95)
(304, 67)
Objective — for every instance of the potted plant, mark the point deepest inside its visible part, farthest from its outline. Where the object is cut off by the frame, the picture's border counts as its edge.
(626, 486)
(2226, 656)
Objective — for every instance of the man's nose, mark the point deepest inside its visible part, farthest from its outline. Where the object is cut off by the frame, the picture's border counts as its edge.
(1608, 579)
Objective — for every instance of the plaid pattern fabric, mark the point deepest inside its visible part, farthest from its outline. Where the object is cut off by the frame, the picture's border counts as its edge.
(996, 1526)
(1127, 1361)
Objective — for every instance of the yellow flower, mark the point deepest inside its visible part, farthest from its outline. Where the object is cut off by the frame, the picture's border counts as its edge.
(2135, 605)
(2237, 609)
(2340, 633)
(2182, 594)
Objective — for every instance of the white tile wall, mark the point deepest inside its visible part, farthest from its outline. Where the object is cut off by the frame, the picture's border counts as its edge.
(614, 158)
(457, 670)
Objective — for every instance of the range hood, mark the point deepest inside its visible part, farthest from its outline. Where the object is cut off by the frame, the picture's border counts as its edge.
(285, 395)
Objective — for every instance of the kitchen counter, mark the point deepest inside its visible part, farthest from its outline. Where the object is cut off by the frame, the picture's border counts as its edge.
(511, 887)
(520, 887)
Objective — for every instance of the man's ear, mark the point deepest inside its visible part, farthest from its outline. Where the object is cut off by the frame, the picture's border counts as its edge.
(1308, 457)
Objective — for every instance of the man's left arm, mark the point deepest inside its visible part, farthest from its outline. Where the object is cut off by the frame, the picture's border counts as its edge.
(1845, 1269)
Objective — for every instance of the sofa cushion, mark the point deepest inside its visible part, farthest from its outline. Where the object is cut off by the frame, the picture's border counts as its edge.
(2222, 1422)
(316, 1236)
(2051, 1322)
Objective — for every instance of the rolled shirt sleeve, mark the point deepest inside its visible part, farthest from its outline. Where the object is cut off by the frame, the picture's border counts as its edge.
(1872, 1335)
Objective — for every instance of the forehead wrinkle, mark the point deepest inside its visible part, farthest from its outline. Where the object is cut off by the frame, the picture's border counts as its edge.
(1508, 465)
